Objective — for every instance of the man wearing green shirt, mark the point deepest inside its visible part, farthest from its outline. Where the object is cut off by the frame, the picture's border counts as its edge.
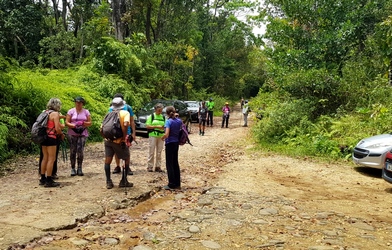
(210, 106)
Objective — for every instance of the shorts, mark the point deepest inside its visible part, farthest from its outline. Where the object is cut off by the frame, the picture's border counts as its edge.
(202, 122)
(112, 148)
(49, 141)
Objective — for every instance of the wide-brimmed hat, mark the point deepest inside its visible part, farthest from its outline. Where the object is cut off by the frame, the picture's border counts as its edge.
(80, 99)
(226, 103)
(117, 103)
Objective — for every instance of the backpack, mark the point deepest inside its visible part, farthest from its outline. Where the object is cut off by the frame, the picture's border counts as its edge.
(111, 126)
(183, 137)
(38, 130)
(152, 119)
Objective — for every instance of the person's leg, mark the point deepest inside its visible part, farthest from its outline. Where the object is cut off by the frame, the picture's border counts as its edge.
(204, 127)
(159, 147)
(41, 156)
(245, 120)
(72, 153)
(211, 117)
(117, 169)
(223, 120)
(227, 121)
(151, 150)
(109, 152)
(200, 122)
(43, 165)
(51, 152)
(123, 153)
(81, 143)
(54, 173)
(169, 153)
(176, 167)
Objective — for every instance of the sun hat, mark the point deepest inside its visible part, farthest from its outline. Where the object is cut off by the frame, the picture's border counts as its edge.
(226, 103)
(117, 103)
(80, 99)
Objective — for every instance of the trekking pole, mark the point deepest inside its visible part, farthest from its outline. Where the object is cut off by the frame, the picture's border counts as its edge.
(63, 146)
(124, 174)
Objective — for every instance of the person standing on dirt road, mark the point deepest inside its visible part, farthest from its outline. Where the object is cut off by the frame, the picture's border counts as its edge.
(155, 123)
(210, 106)
(131, 132)
(245, 112)
(60, 139)
(78, 120)
(49, 145)
(226, 115)
(119, 147)
(171, 137)
(202, 114)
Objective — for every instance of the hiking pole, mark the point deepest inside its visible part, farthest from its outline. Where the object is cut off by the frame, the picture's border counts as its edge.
(63, 146)
(124, 173)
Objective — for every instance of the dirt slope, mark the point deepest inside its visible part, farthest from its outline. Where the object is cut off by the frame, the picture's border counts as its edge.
(233, 197)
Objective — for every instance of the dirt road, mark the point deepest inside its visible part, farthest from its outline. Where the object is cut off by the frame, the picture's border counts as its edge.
(233, 197)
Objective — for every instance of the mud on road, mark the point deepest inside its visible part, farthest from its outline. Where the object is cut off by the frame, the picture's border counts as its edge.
(233, 197)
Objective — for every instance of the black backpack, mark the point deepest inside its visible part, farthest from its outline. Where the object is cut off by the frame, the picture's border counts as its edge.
(38, 130)
(111, 126)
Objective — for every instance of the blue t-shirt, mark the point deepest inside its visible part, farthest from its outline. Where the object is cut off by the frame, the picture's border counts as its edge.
(175, 126)
(129, 109)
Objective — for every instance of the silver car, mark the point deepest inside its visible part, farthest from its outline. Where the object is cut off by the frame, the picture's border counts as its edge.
(371, 152)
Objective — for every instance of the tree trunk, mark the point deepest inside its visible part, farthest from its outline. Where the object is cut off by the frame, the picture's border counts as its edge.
(64, 15)
(148, 23)
(55, 11)
(119, 8)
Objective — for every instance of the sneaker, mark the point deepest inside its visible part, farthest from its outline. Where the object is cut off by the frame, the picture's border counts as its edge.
(109, 184)
(125, 183)
(54, 176)
(130, 171)
(149, 170)
(51, 184)
(73, 172)
(167, 187)
(117, 170)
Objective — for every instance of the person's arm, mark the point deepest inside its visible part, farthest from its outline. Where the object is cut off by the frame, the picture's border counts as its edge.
(56, 118)
(88, 122)
(68, 122)
(133, 127)
(167, 130)
(125, 127)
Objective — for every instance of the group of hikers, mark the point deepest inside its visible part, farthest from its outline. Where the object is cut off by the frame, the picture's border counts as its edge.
(163, 132)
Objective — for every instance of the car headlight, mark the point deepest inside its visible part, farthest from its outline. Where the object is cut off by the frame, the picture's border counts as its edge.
(380, 145)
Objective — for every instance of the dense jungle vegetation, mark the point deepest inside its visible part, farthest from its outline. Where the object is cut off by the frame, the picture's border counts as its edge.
(318, 74)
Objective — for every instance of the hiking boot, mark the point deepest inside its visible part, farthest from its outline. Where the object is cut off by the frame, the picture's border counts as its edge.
(51, 183)
(116, 170)
(42, 181)
(73, 172)
(202, 133)
(80, 172)
(125, 183)
(54, 176)
(130, 171)
(158, 170)
(109, 184)
(149, 170)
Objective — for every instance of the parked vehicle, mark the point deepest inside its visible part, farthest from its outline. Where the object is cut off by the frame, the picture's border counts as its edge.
(387, 168)
(372, 151)
(148, 109)
(193, 107)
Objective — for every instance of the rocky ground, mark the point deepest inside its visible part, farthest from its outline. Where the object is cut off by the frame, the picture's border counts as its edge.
(233, 197)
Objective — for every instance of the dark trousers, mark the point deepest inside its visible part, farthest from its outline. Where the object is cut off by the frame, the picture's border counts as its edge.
(225, 119)
(41, 157)
(210, 118)
(172, 166)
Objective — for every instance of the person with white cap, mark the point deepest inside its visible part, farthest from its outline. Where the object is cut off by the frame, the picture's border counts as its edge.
(131, 132)
(118, 146)
(245, 112)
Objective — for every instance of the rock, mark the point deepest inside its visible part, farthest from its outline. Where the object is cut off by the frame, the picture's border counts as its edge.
(210, 244)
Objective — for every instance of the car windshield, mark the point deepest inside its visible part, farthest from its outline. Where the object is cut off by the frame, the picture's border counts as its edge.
(192, 104)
